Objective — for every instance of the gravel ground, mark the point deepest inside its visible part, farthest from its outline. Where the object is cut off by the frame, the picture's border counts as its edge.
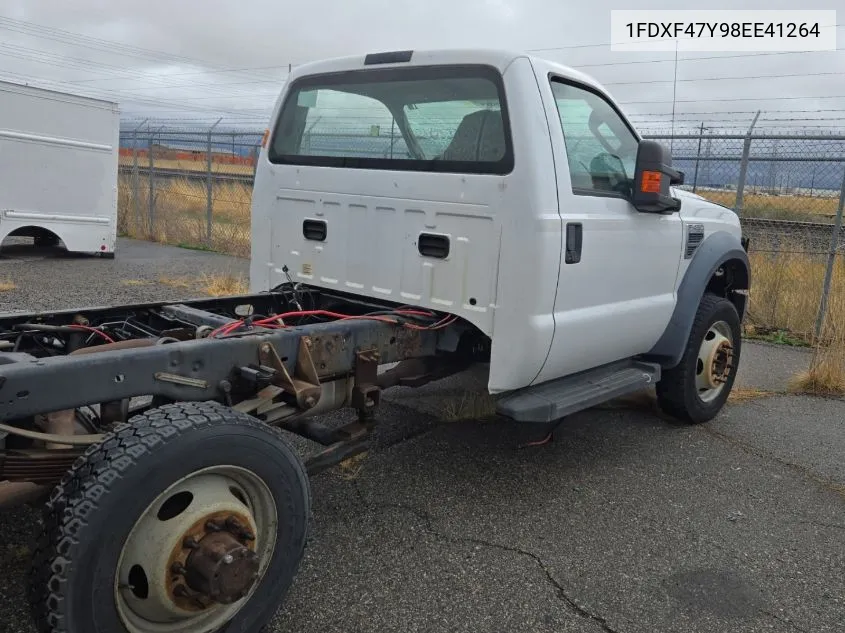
(50, 279)
(623, 524)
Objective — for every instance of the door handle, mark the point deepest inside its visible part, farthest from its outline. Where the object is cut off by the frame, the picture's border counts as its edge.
(315, 230)
(430, 245)
(574, 239)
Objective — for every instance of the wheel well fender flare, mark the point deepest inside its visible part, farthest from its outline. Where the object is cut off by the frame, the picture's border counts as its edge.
(716, 250)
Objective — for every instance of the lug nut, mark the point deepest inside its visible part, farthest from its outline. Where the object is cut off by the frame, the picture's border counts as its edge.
(178, 569)
(213, 526)
(180, 591)
(233, 525)
(190, 543)
(247, 535)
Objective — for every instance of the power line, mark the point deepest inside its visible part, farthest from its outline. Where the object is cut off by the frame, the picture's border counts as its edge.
(737, 99)
(662, 81)
(697, 59)
(112, 96)
(51, 59)
(201, 72)
(78, 39)
(121, 73)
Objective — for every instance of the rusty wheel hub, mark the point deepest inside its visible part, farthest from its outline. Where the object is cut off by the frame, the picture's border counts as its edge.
(195, 556)
(715, 361)
(722, 362)
(220, 567)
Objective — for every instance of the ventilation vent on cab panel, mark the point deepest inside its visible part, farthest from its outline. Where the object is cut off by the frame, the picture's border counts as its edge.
(695, 234)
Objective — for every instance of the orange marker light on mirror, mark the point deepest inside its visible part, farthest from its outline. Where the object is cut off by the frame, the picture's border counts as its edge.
(651, 182)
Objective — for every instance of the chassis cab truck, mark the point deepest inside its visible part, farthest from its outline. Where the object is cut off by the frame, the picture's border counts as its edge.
(414, 213)
(513, 193)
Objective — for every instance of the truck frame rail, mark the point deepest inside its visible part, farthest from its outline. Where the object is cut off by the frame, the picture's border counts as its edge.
(279, 363)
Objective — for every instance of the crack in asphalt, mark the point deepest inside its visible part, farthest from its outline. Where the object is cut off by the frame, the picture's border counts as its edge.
(824, 482)
(428, 526)
(822, 524)
(783, 620)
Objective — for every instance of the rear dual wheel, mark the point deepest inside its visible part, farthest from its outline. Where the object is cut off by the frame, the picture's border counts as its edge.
(190, 518)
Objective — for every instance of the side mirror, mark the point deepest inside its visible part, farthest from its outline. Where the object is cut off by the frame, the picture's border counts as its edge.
(653, 175)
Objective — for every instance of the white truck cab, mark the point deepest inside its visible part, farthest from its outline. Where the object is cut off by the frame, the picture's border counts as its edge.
(513, 193)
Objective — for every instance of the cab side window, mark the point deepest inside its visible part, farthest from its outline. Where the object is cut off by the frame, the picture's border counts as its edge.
(600, 148)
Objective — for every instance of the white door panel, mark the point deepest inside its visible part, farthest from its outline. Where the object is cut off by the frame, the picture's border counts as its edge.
(618, 298)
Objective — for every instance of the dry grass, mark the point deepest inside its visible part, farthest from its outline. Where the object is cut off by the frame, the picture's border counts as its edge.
(786, 292)
(826, 374)
(179, 282)
(776, 207)
(745, 394)
(350, 468)
(468, 405)
(135, 282)
(181, 212)
(215, 285)
(7, 285)
(224, 285)
(785, 297)
(188, 165)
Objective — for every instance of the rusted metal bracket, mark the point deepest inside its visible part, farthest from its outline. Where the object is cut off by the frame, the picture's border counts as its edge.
(366, 393)
(304, 385)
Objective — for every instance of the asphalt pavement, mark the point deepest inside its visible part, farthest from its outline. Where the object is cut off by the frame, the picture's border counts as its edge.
(624, 523)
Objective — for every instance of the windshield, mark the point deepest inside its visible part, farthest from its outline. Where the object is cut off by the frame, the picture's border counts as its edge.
(428, 119)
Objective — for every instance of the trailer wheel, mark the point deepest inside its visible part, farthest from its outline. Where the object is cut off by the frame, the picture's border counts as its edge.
(189, 518)
(697, 388)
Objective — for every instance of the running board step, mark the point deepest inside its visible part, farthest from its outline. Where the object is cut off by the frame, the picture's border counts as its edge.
(558, 398)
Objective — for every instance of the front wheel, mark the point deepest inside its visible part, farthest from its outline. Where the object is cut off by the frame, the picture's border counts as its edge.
(191, 518)
(697, 388)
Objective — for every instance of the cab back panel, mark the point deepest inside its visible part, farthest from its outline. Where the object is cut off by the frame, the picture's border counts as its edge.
(371, 248)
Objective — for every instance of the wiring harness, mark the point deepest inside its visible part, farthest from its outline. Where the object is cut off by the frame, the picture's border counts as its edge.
(408, 317)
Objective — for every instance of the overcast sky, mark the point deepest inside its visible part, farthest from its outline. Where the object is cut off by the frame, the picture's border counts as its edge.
(169, 58)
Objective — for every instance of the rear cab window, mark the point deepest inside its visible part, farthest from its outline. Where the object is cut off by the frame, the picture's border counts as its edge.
(437, 119)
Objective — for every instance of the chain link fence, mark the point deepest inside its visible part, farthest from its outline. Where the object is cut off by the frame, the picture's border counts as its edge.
(788, 191)
(188, 187)
(193, 187)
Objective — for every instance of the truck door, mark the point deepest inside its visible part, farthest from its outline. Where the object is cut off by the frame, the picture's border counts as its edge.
(616, 288)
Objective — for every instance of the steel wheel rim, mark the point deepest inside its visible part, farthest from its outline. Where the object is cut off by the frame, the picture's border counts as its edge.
(153, 542)
(714, 364)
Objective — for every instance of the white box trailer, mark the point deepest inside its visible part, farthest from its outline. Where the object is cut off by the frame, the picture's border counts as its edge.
(58, 168)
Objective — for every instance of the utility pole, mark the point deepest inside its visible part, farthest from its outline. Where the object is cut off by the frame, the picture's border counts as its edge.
(743, 166)
(697, 158)
(209, 184)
